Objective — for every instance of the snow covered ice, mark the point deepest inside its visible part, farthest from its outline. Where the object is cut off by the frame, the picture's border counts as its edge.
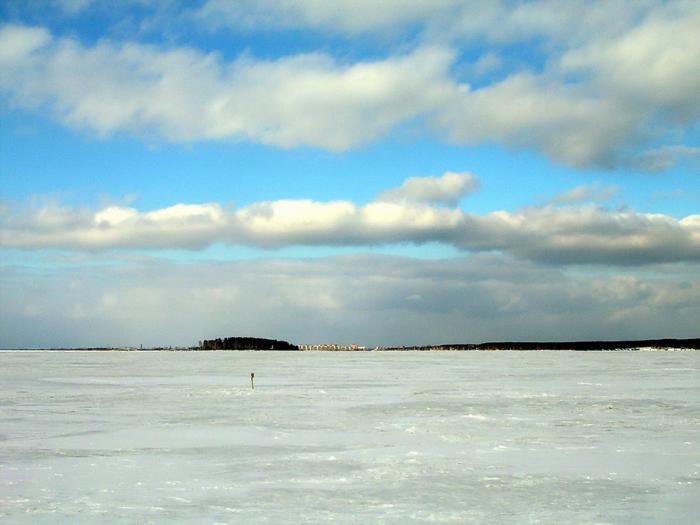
(405, 437)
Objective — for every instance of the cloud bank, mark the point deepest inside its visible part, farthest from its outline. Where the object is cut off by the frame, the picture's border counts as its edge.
(568, 234)
(362, 298)
(613, 83)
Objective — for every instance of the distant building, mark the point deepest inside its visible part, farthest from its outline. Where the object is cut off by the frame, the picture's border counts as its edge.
(326, 347)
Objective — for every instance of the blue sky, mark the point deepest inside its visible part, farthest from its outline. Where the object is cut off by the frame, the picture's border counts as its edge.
(410, 172)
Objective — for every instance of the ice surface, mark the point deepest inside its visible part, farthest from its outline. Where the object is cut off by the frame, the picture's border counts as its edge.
(406, 437)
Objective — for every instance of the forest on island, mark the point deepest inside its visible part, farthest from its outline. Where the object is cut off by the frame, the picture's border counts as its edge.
(245, 343)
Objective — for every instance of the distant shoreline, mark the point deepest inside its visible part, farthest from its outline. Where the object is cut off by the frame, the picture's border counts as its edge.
(649, 345)
(640, 345)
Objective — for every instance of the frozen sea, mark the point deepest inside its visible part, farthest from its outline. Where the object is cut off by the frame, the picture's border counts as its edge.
(370, 437)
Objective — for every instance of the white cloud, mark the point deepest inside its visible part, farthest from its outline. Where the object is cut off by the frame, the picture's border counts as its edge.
(615, 72)
(609, 79)
(598, 98)
(301, 221)
(590, 192)
(183, 95)
(661, 159)
(533, 111)
(583, 234)
(588, 234)
(18, 45)
(653, 65)
(185, 226)
(447, 189)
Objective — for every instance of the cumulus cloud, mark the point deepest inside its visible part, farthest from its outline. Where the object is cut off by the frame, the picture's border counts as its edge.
(447, 189)
(614, 77)
(362, 298)
(535, 111)
(584, 193)
(567, 234)
(597, 99)
(182, 94)
(589, 234)
(651, 65)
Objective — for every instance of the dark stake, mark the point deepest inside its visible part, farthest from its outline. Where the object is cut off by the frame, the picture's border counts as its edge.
(252, 380)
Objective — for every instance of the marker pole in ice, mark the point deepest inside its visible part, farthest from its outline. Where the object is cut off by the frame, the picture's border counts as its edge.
(252, 377)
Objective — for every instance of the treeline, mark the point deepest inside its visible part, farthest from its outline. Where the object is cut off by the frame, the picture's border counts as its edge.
(245, 343)
(562, 345)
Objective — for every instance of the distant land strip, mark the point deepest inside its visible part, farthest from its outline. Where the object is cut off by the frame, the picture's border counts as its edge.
(261, 344)
(650, 344)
